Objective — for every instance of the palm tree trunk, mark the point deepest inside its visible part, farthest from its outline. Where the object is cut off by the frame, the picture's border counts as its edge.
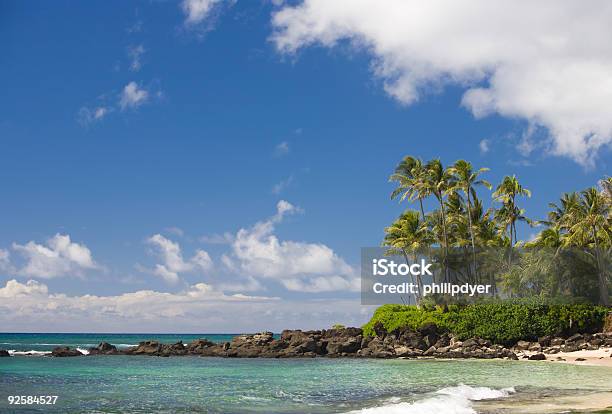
(469, 209)
(418, 295)
(418, 279)
(422, 210)
(603, 285)
(445, 237)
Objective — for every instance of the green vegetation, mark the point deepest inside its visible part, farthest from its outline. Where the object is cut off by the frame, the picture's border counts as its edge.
(503, 322)
(569, 258)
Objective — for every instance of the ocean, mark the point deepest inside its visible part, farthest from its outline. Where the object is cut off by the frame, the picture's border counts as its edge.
(141, 384)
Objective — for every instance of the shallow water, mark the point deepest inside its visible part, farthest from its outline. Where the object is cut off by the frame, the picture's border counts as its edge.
(45, 342)
(140, 384)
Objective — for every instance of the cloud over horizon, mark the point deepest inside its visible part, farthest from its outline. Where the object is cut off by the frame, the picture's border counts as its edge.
(299, 266)
(31, 307)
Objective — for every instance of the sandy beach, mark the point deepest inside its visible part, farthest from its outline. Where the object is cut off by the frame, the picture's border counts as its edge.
(592, 402)
(599, 357)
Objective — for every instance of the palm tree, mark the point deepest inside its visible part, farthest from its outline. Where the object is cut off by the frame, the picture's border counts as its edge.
(409, 175)
(550, 237)
(486, 229)
(408, 234)
(568, 202)
(589, 226)
(509, 214)
(466, 179)
(438, 181)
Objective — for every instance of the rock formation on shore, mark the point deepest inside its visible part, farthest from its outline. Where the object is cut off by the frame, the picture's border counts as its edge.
(64, 351)
(428, 341)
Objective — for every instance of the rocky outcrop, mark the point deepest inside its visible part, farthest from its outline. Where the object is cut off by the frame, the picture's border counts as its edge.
(427, 342)
(554, 345)
(537, 357)
(64, 351)
(103, 348)
(4, 353)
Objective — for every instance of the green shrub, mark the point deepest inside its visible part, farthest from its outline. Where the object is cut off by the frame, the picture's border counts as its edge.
(503, 322)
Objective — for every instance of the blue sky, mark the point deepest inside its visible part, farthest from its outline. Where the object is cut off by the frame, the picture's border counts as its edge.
(219, 125)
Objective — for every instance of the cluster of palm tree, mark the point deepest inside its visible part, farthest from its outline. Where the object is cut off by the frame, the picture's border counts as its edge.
(580, 227)
(461, 230)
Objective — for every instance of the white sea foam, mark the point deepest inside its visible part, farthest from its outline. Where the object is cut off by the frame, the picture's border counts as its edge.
(12, 352)
(83, 351)
(451, 400)
(476, 393)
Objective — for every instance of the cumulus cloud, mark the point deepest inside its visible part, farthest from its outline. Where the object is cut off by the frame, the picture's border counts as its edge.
(546, 62)
(31, 307)
(13, 289)
(172, 259)
(196, 11)
(59, 256)
(300, 266)
(133, 96)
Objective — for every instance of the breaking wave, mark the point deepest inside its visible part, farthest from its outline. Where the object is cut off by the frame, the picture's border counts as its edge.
(450, 400)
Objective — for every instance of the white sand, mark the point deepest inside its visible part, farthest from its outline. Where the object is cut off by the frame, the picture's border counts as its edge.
(589, 402)
(600, 357)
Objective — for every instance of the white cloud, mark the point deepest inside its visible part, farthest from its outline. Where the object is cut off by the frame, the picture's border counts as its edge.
(323, 284)
(89, 116)
(58, 257)
(484, 146)
(281, 149)
(301, 266)
(547, 62)
(133, 96)
(13, 289)
(31, 307)
(135, 54)
(196, 11)
(172, 259)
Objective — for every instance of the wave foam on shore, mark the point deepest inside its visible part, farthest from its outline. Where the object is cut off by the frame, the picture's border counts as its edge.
(450, 400)
(13, 352)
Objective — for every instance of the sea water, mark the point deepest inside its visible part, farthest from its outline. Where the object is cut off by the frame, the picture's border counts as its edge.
(144, 384)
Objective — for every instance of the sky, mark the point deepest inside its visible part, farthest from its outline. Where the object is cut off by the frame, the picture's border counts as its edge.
(216, 166)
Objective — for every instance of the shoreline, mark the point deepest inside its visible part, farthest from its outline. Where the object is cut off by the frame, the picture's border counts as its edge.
(598, 357)
(426, 343)
(590, 402)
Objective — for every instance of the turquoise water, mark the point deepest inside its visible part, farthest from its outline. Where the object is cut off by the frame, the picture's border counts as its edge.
(47, 341)
(141, 384)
